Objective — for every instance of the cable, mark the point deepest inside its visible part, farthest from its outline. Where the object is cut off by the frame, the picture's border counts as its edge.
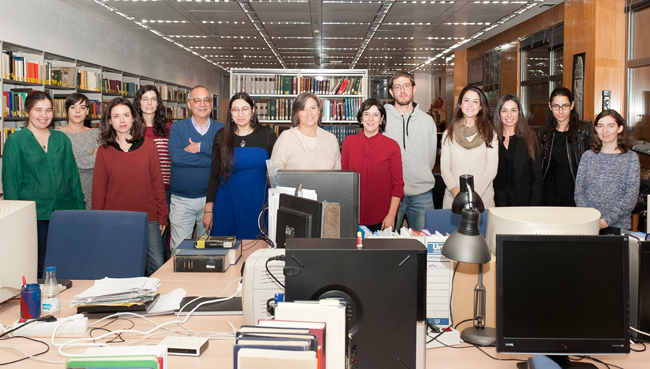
(278, 257)
(608, 365)
(638, 331)
(47, 318)
(28, 356)
(451, 295)
(636, 342)
(251, 243)
(461, 322)
(495, 358)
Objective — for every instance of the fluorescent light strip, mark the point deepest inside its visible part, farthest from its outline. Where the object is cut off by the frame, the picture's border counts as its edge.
(187, 36)
(207, 47)
(164, 21)
(406, 24)
(501, 2)
(286, 23)
(342, 38)
(223, 22)
(293, 38)
(467, 23)
(347, 23)
(376, 23)
(240, 37)
(258, 56)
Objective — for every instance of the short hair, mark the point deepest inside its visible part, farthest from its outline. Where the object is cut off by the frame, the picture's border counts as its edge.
(34, 97)
(401, 74)
(75, 98)
(623, 138)
(189, 95)
(300, 103)
(369, 103)
(108, 135)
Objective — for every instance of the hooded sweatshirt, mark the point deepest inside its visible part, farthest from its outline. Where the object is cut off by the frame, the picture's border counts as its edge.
(417, 137)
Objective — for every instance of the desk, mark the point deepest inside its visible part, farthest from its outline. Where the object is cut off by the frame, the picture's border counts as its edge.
(219, 354)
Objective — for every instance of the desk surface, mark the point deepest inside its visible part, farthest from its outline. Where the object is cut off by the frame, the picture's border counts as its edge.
(219, 353)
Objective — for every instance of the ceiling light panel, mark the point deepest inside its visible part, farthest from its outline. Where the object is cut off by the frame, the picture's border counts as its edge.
(359, 12)
(417, 11)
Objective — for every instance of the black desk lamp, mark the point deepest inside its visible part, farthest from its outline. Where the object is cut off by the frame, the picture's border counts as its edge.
(467, 245)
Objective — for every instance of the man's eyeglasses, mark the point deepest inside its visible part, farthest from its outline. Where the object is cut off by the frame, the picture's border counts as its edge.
(207, 100)
(406, 86)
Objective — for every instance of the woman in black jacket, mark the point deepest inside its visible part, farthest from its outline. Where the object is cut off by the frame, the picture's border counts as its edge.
(519, 178)
(564, 139)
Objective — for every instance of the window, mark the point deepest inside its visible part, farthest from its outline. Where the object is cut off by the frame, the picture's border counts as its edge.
(379, 87)
(485, 72)
(542, 68)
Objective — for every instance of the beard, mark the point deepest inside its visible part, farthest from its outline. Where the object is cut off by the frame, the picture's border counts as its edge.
(405, 101)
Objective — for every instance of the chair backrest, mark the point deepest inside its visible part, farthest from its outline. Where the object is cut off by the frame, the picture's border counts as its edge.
(93, 244)
(444, 221)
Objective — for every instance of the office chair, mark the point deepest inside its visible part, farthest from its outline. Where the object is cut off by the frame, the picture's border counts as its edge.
(444, 221)
(93, 244)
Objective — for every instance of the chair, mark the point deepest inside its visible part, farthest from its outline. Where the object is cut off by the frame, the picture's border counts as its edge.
(93, 244)
(444, 221)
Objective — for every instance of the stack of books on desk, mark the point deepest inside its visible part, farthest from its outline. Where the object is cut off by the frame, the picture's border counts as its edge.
(189, 258)
(259, 347)
(117, 294)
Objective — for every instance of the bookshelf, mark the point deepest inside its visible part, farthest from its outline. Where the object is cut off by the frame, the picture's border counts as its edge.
(340, 91)
(24, 69)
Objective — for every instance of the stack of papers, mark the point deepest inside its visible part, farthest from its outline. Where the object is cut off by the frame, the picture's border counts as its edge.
(118, 292)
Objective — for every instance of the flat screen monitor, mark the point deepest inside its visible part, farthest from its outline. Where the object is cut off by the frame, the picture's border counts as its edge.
(540, 220)
(18, 246)
(562, 295)
(340, 186)
(298, 218)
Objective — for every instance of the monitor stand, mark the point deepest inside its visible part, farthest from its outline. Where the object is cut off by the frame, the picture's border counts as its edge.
(561, 360)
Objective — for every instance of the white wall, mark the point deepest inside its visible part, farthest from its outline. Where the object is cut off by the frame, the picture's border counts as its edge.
(423, 90)
(60, 28)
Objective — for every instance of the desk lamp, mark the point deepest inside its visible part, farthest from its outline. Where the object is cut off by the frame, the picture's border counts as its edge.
(467, 245)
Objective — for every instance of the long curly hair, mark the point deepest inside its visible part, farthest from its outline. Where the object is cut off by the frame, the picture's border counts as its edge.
(160, 118)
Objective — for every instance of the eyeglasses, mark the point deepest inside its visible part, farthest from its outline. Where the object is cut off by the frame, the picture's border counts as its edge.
(556, 107)
(406, 86)
(207, 100)
(147, 99)
(244, 110)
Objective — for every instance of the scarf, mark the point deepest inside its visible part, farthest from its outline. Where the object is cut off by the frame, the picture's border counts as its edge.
(461, 132)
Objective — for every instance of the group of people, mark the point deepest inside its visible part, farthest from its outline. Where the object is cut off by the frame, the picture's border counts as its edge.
(206, 177)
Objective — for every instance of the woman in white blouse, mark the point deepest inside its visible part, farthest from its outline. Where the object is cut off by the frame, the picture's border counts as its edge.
(470, 145)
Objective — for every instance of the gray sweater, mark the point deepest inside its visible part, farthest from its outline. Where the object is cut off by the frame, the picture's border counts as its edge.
(610, 184)
(417, 137)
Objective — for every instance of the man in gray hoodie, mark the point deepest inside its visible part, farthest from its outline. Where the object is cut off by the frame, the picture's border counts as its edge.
(416, 134)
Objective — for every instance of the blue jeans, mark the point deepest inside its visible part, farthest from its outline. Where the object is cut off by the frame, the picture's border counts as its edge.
(414, 207)
(184, 214)
(154, 249)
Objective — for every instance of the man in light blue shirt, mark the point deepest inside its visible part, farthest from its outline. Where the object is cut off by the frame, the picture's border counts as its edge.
(190, 150)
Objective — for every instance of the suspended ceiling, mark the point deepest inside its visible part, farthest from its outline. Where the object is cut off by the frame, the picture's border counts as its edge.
(381, 36)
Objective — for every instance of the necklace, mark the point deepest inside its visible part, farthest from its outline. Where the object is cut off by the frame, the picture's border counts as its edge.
(44, 147)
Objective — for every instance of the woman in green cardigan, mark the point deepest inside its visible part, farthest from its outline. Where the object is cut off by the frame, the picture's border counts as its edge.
(38, 165)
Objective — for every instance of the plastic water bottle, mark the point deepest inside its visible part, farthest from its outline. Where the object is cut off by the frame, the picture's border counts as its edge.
(51, 297)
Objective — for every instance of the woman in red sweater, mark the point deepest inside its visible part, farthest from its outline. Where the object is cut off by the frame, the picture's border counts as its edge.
(127, 174)
(378, 160)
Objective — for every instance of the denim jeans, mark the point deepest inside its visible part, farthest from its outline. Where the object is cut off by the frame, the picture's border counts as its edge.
(184, 214)
(414, 207)
(154, 249)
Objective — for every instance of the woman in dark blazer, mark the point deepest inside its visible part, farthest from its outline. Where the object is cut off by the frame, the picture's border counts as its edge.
(519, 177)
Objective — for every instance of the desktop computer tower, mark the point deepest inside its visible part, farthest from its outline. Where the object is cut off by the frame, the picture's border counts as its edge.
(384, 285)
(640, 287)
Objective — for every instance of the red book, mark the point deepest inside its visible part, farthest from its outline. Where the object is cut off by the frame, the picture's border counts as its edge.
(344, 85)
(316, 328)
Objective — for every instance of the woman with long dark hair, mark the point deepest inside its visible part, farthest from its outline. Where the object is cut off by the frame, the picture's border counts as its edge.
(237, 184)
(519, 177)
(608, 175)
(83, 140)
(127, 174)
(470, 145)
(378, 160)
(564, 139)
(38, 165)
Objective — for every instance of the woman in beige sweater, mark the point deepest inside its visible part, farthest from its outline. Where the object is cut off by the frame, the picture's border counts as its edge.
(306, 145)
(470, 145)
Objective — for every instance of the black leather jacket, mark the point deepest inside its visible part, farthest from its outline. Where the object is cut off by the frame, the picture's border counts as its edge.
(574, 149)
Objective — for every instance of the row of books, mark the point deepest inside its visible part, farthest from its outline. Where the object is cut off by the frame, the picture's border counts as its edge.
(13, 102)
(176, 113)
(88, 80)
(112, 86)
(332, 85)
(4, 134)
(341, 132)
(169, 94)
(94, 108)
(341, 109)
(60, 76)
(17, 68)
(274, 109)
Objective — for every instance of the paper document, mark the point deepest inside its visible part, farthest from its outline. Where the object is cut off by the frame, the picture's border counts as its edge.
(439, 274)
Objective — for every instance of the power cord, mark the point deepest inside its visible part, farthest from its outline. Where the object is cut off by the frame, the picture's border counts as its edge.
(274, 258)
(27, 356)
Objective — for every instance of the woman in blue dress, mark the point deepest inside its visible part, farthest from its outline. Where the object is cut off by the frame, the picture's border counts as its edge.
(237, 185)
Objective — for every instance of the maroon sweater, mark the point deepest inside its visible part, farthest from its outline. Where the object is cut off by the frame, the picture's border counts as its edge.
(130, 181)
(378, 161)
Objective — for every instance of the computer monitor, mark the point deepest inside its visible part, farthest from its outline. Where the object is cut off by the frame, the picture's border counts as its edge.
(562, 295)
(18, 246)
(340, 186)
(540, 220)
(298, 218)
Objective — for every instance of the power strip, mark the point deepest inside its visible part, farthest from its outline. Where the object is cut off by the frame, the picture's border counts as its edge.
(449, 338)
(76, 325)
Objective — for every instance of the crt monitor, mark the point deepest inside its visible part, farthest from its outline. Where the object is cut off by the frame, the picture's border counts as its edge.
(562, 295)
(340, 186)
(540, 220)
(18, 246)
(298, 218)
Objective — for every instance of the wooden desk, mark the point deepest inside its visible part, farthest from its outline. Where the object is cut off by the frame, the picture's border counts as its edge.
(219, 354)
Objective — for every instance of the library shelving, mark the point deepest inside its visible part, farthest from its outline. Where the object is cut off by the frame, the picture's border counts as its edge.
(340, 91)
(24, 69)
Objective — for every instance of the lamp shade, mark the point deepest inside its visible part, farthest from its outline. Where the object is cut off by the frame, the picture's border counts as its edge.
(462, 199)
(466, 244)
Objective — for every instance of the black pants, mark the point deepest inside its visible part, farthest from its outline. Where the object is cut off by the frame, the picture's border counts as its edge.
(42, 227)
